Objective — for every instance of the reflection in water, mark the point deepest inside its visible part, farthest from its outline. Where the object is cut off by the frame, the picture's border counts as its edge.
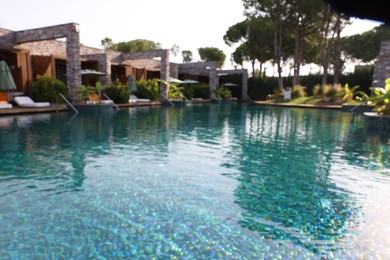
(202, 181)
(288, 197)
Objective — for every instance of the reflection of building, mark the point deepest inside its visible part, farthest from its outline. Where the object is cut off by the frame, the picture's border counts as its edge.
(42, 51)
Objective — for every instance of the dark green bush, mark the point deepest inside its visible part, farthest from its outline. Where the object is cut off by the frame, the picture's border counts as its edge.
(188, 91)
(259, 88)
(298, 91)
(224, 93)
(47, 88)
(201, 91)
(149, 89)
(117, 92)
(318, 90)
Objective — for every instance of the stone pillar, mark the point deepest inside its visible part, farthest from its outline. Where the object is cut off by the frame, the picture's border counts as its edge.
(382, 66)
(164, 75)
(73, 62)
(244, 94)
(105, 66)
(213, 82)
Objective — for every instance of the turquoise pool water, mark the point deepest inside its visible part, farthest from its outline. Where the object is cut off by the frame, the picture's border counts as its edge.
(197, 182)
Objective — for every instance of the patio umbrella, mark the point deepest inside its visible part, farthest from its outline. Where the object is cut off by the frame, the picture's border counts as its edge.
(6, 80)
(131, 86)
(190, 81)
(174, 80)
(229, 84)
(89, 72)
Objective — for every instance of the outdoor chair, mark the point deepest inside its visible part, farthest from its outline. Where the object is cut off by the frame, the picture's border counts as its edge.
(4, 104)
(25, 101)
(134, 98)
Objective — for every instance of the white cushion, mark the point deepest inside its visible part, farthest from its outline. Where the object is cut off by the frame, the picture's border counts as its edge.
(25, 101)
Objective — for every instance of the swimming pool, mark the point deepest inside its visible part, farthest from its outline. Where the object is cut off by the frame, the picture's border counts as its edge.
(235, 181)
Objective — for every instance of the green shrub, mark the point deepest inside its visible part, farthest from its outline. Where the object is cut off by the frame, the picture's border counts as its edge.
(201, 91)
(331, 92)
(318, 91)
(47, 88)
(117, 92)
(175, 93)
(380, 99)
(278, 94)
(298, 91)
(188, 91)
(223, 92)
(149, 89)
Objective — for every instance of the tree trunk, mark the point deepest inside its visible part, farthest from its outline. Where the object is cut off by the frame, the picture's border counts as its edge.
(297, 54)
(337, 64)
(278, 54)
(253, 68)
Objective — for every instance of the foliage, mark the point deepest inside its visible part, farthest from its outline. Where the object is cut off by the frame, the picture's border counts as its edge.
(149, 89)
(106, 43)
(188, 91)
(260, 87)
(331, 92)
(298, 91)
(135, 46)
(223, 92)
(278, 94)
(380, 99)
(366, 46)
(212, 54)
(187, 56)
(47, 88)
(117, 92)
(318, 90)
(201, 91)
(84, 92)
(175, 49)
(174, 92)
(99, 88)
(256, 37)
(349, 94)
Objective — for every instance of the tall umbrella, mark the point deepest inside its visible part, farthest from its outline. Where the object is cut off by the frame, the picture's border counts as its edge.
(6, 80)
(92, 73)
(229, 84)
(131, 86)
(174, 80)
(190, 81)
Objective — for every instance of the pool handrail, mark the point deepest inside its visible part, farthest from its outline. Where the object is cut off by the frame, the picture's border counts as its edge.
(68, 102)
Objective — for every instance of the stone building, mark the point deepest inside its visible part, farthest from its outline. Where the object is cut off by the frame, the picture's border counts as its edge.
(56, 51)
(382, 66)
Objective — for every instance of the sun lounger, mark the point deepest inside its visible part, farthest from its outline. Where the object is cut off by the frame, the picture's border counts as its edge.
(4, 105)
(134, 98)
(25, 101)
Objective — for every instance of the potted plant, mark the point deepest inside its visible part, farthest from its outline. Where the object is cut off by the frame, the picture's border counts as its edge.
(353, 99)
(91, 100)
(380, 100)
(84, 93)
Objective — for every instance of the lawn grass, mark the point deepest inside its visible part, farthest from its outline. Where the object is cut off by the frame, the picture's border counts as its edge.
(302, 100)
(305, 100)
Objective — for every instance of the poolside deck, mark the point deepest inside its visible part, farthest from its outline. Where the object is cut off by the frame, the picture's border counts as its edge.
(320, 106)
(63, 107)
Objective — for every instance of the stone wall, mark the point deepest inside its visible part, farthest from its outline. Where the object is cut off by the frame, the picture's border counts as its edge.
(203, 69)
(7, 38)
(244, 84)
(209, 69)
(45, 48)
(32, 40)
(382, 66)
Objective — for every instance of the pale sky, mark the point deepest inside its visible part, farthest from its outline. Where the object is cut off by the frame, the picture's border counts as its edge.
(188, 24)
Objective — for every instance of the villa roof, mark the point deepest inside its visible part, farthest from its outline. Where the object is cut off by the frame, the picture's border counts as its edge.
(149, 64)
